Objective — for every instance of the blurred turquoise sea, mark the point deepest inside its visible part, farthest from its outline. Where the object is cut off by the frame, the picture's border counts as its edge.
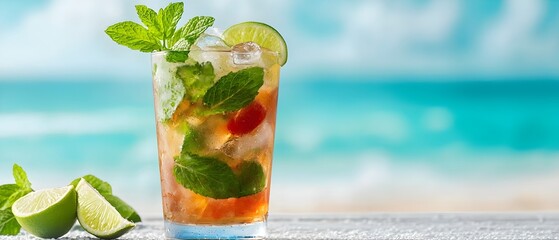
(359, 134)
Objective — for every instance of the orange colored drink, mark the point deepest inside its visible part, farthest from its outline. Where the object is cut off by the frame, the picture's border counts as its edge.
(215, 134)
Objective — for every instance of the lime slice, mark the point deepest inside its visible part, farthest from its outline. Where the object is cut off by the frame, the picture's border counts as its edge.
(260, 33)
(97, 216)
(48, 213)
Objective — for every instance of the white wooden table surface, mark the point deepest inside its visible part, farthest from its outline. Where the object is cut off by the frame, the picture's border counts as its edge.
(446, 226)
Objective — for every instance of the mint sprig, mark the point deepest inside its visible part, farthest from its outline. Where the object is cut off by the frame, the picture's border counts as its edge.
(160, 32)
(9, 194)
(234, 90)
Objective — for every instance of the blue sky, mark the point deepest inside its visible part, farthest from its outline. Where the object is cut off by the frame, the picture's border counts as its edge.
(487, 39)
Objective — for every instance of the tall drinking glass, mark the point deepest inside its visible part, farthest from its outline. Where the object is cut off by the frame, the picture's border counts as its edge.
(216, 114)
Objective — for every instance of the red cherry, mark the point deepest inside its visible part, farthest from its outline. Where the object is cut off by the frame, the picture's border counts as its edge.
(247, 119)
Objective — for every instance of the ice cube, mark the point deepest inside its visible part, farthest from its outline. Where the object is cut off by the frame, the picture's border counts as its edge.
(210, 42)
(246, 53)
(214, 32)
(214, 131)
(248, 146)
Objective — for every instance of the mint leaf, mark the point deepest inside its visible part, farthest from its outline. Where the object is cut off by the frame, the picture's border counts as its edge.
(197, 79)
(187, 35)
(176, 56)
(170, 92)
(169, 18)
(206, 176)
(14, 197)
(161, 33)
(104, 188)
(125, 210)
(6, 191)
(8, 223)
(20, 177)
(149, 18)
(251, 178)
(234, 90)
(10, 193)
(133, 36)
(193, 141)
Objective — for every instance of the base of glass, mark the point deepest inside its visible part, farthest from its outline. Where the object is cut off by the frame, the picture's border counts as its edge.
(256, 230)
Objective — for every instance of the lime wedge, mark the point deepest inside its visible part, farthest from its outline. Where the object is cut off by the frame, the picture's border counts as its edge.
(97, 216)
(260, 33)
(48, 213)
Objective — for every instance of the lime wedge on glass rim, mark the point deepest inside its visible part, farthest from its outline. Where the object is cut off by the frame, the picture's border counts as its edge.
(260, 33)
(48, 213)
(97, 216)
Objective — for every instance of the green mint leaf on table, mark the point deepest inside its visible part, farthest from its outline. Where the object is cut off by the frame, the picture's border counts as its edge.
(8, 223)
(176, 56)
(197, 79)
(9, 193)
(187, 35)
(6, 192)
(14, 197)
(21, 177)
(149, 18)
(251, 178)
(105, 189)
(206, 176)
(133, 36)
(234, 90)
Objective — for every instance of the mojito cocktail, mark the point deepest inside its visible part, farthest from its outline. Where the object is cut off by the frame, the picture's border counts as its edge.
(216, 117)
(215, 107)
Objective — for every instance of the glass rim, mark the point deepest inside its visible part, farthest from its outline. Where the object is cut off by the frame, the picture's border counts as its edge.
(264, 50)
